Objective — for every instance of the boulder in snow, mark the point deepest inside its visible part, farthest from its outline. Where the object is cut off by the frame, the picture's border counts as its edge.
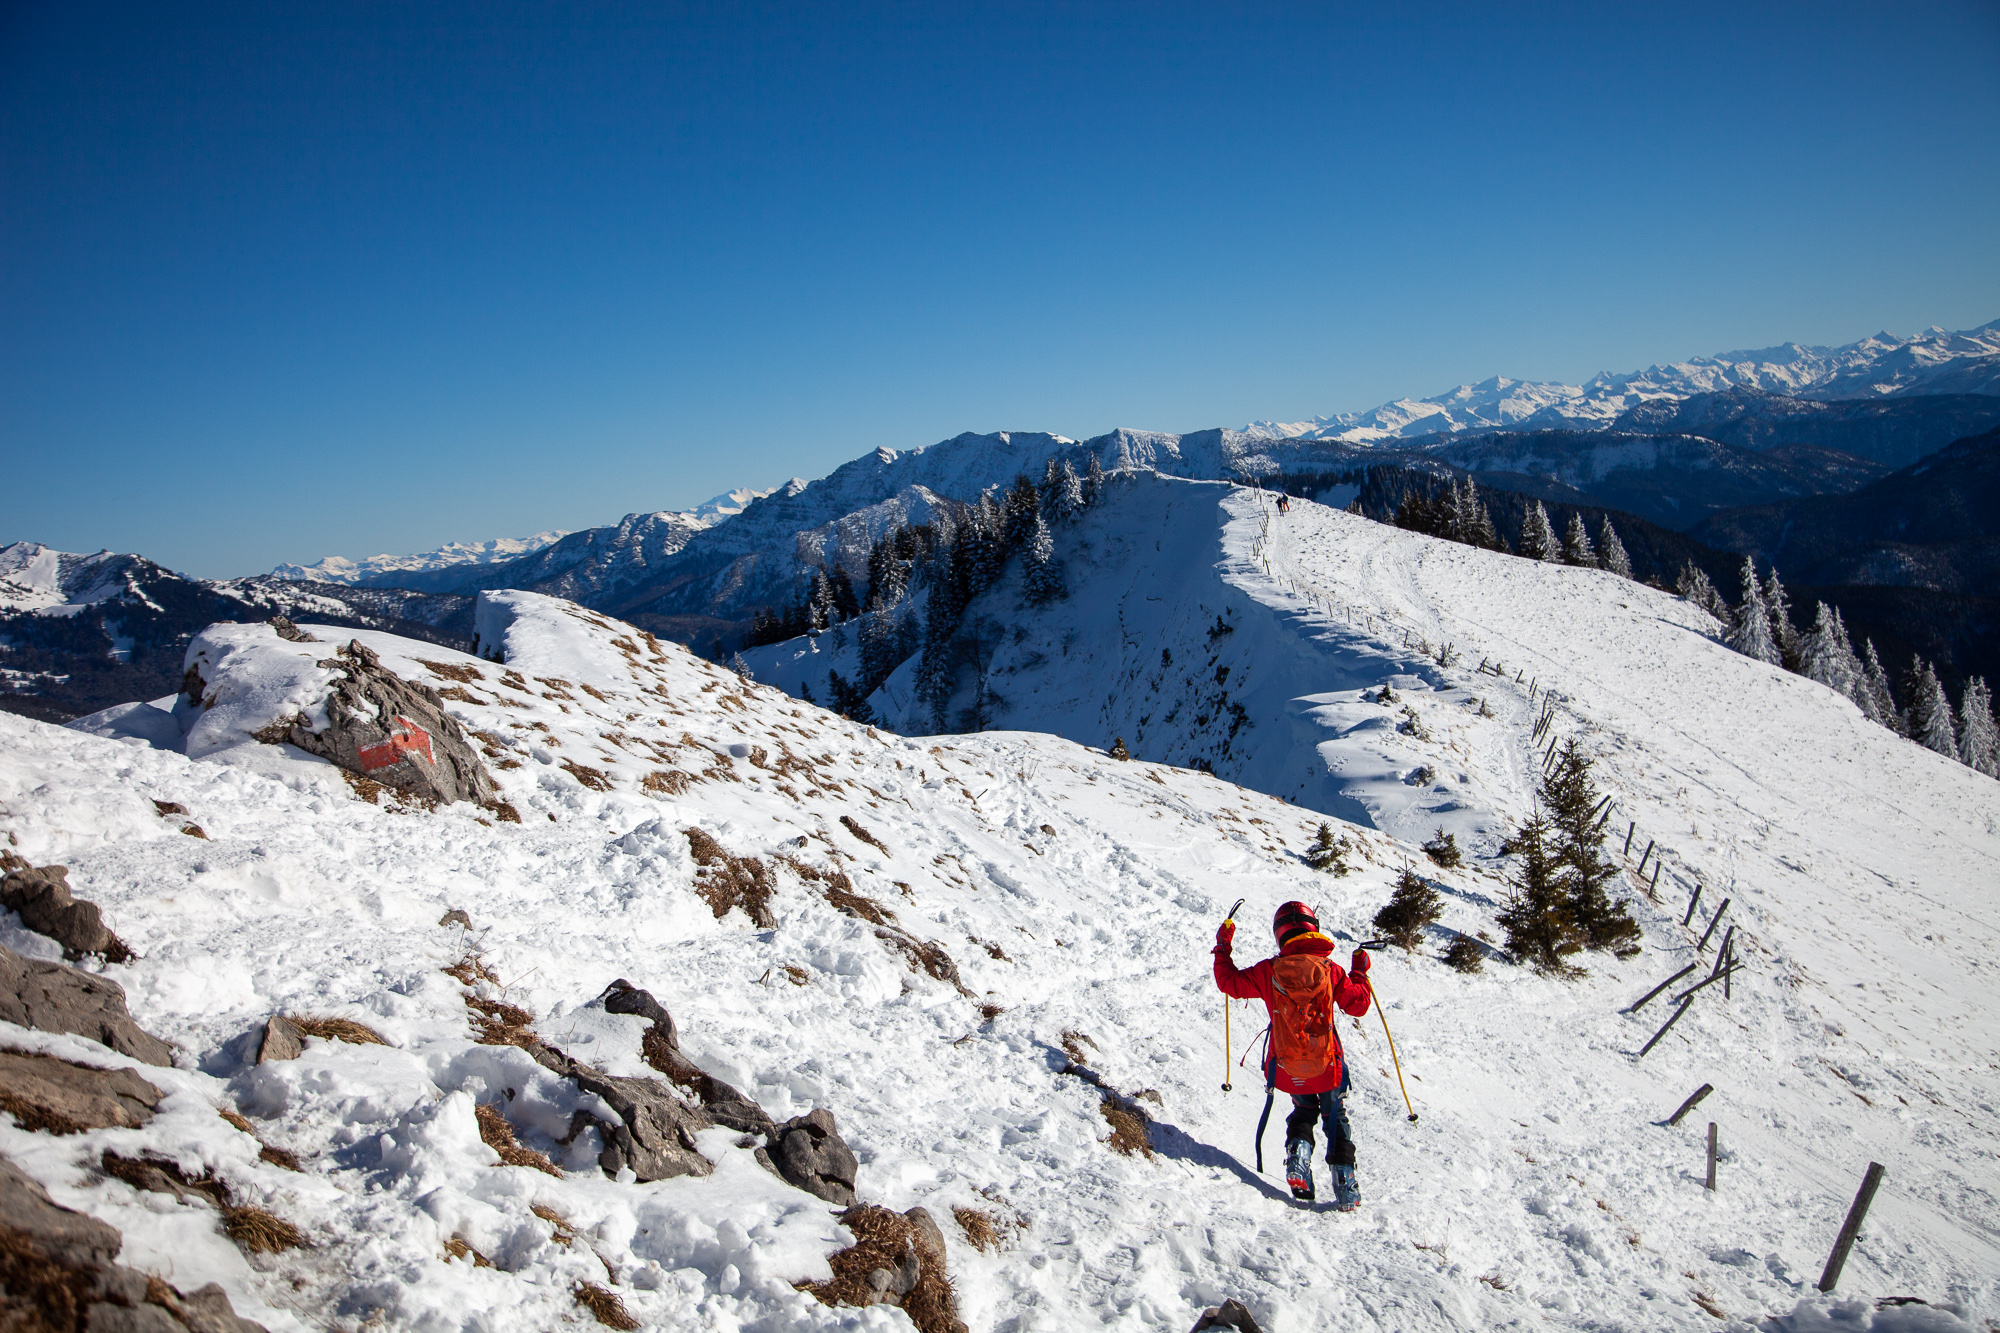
(54, 1096)
(810, 1153)
(52, 998)
(282, 1040)
(42, 898)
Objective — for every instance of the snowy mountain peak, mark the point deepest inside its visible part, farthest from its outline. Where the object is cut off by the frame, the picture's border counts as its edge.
(34, 577)
(498, 550)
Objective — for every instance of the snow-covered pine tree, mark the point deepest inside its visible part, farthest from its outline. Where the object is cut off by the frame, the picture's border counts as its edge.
(1783, 632)
(1413, 905)
(1930, 711)
(1041, 577)
(888, 574)
(1093, 482)
(1693, 585)
(1021, 509)
(1577, 814)
(1476, 520)
(1062, 491)
(1577, 549)
(1978, 738)
(845, 605)
(1540, 930)
(1611, 551)
(1751, 632)
(1827, 657)
(1877, 700)
(819, 603)
(740, 667)
(1538, 539)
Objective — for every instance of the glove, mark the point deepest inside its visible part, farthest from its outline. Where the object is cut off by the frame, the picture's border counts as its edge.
(1225, 934)
(1358, 965)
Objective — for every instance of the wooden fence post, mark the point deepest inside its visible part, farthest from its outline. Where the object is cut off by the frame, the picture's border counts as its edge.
(1691, 905)
(1663, 1028)
(1711, 1156)
(1656, 880)
(1640, 1003)
(1713, 922)
(1851, 1228)
(1691, 1103)
(1631, 827)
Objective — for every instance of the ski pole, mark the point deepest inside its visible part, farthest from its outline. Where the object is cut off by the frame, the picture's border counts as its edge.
(1377, 944)
(1228, 920)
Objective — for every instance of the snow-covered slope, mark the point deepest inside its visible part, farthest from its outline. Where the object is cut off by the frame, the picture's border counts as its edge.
(38, 578)
(1933, 361)
(1078, 894)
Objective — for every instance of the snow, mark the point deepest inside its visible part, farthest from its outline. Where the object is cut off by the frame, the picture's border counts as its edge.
(37, 578)
(497, 551)
(1077, 893)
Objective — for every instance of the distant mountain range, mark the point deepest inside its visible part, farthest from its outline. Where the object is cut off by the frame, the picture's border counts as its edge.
(1932, 362)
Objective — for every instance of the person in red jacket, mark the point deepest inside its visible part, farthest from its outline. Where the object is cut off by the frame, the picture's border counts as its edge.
(1322, 1097)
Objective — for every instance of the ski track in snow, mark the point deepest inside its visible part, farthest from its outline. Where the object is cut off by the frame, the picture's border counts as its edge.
(1537, 1188)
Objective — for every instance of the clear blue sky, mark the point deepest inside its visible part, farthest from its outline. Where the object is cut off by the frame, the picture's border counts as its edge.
(284, 281)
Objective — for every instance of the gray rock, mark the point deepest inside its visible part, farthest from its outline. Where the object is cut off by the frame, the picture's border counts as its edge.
(1230, 1314)
(54, 1096)
(622, 997)
(282, 1040)
(42, 898)
(52, 998)
(41, 1233)
(289, 632)
(655, 1132)
(395, 732)
(809, 1152)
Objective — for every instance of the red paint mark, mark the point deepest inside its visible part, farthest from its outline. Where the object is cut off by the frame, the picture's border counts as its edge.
(408, 738)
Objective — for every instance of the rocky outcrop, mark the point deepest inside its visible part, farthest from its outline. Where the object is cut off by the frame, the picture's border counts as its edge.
(809, 1152)
(42, 898)
(50, 1096)
(392, 731)
(661, 1047)
(59, 1271)
(282, 1040)
(1231, 1314)
(52, 998)
(654, 1135)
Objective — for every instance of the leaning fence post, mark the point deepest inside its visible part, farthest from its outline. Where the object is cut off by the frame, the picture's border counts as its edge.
(1851, 1229)
(1656, 880)
(1663, 1028)
(1646, 856)
(1631, 827)
(1640, 1003)
(1691, 905)
(1713, 922)
(1711, 1156)
(1691, 1103)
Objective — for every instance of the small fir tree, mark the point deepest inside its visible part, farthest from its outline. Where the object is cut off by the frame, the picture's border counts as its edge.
(1411, 907)
(1751, 632)
(1093, 482)
(1930, 711)
(1536, 919)
(1042, 578)
(1693, 584)
(1443, 849)
(1577, 549)
(1327, 852)
(1538, 539)
(1877, 700)
(1978, 738)
(1783, 632)
(1611, 551)
(1578, 814)
(1062, 491)
(1826, 656)
(1465, 954)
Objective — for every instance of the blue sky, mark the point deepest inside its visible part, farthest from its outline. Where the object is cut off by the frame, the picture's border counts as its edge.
(284, 281)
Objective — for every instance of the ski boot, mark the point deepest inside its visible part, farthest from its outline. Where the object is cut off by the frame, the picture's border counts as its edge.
(1346, 1189)
(1298, 1169)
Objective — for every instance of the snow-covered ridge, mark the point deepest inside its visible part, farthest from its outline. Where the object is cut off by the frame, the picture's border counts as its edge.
(1929, 362)
(38, 578)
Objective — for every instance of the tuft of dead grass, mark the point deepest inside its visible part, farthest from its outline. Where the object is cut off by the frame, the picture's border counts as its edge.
(981, 1228)
(337, 1029)
(797, 975)
(464, 675)
(471, 969)
(41, 1295)
(1131, 1129)
(853, 826)
(667, 782)
(496, 1023)
(1073, 1043)
(458, 1248)
(604, 1306)
(726, 881)
(594, 778)
(265, 1152)
(885, 1239)
(38, 1119)
(497, 1134)
(990, 1011)
(260, 1231)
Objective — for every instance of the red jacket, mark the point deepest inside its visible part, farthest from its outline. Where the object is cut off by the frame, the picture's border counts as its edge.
(1255, 984)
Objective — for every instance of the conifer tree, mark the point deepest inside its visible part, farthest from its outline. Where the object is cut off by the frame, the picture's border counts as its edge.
(1536, 919)
(848, 700)
(1538, 539)
(1751, 632)
(1412, 906)
(1693, 585)
(1877, 700)
(1062, 491)
(1930, 711)
(1577, 814)
(1019, 512)
(1783, 632)
(1328, 852)
(819, 603)
(1577, 549)
(1826, 656)
(1042, 577)
(1978, 738)
(1093, 482)
(1443, 849)
(841, 589)
(1611, 551)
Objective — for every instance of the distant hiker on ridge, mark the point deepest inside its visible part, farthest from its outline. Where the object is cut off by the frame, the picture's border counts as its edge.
(1300, 987)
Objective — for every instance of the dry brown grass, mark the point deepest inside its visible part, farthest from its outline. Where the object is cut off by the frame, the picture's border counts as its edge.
(259, 1231)
(37, 1294)
(336, 1029)
(797, 975)
(1073, 1043)
(594, 778)
(853, 826)
(457, 1248)
(726, 881)
(881, 1239)
(993, 950)
(667, 782)
(464, 675)
(497, 1134)
(265, 1152)
(604, 1306)
(504, 811)
(37, 1119)
(981, 1228)
(1131, 1131)
(459, 694)
(565, 1235)
(367, 789)
(471, 970)
(496, 1023)
(990, 1011)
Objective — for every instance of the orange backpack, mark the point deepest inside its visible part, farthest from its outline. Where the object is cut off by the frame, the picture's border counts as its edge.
(1302, 1015)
